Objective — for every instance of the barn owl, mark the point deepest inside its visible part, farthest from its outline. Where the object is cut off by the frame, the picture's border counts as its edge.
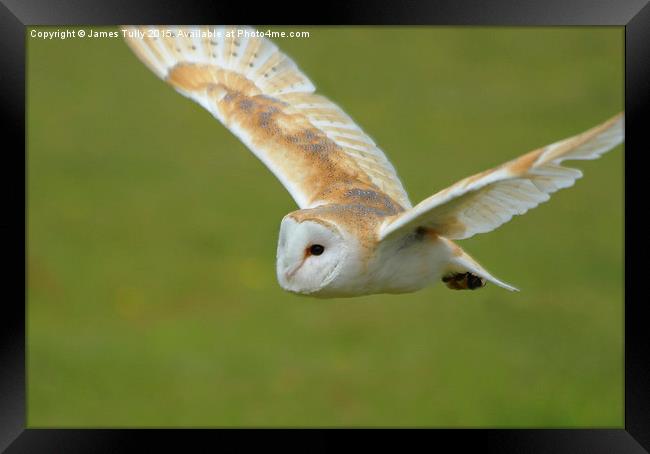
(355, 232)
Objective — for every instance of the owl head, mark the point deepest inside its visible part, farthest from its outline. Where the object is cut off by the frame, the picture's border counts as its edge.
(316, 255)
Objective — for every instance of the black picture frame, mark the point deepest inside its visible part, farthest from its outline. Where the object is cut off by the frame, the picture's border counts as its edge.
(16, 15)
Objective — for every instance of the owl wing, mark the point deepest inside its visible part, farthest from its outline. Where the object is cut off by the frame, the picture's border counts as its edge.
(483, 202)
(257, 92)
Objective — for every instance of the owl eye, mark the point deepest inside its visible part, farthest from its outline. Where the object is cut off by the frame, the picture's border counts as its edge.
(316, 249)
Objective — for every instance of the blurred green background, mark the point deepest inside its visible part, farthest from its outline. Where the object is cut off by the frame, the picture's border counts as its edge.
(152, 298)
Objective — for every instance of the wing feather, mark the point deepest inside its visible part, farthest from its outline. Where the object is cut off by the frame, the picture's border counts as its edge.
(483, 202)
(314, 148)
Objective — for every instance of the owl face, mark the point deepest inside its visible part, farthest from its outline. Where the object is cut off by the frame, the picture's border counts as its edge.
(312, 254)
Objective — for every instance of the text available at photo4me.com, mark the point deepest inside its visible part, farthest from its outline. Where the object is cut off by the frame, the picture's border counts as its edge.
(163, 32)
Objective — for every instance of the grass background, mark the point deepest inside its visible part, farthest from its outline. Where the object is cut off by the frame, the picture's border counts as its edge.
(152, 298)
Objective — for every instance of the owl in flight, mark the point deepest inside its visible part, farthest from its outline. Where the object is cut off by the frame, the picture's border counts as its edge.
(355, 232)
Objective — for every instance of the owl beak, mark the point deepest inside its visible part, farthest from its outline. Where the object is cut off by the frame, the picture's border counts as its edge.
(289, 274)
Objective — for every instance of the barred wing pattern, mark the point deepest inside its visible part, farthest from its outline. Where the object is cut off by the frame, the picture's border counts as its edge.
(308, 142)
(483, 202)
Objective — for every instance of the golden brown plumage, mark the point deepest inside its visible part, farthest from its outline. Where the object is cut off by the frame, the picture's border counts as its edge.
(315, 149)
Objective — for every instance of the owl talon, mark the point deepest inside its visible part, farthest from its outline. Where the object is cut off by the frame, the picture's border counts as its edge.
(463, 281)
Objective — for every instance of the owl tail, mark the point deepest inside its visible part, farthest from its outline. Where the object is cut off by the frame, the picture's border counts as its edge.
(463, 272)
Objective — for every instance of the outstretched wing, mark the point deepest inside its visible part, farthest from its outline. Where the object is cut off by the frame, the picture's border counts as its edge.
(257, 92)
(483, 202)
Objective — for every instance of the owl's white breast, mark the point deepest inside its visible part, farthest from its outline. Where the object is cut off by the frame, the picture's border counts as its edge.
(407, 264)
